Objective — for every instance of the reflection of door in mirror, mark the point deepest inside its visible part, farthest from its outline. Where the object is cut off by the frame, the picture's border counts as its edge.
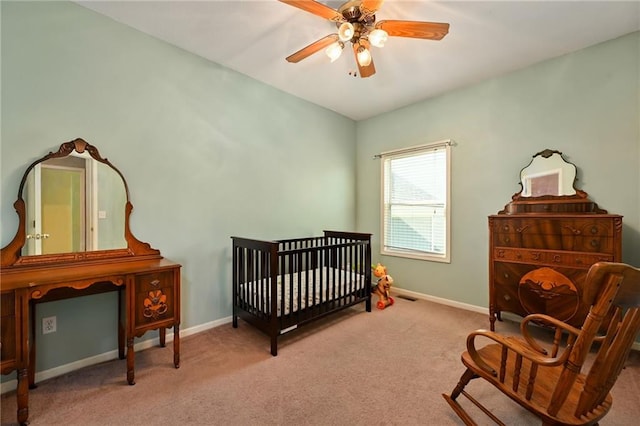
(56, 216)
(545, 183)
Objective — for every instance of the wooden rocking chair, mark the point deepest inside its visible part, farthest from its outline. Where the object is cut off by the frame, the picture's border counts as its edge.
(549, 382)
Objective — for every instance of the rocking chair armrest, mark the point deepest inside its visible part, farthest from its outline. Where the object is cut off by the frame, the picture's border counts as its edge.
(518, 346)
(549, 321)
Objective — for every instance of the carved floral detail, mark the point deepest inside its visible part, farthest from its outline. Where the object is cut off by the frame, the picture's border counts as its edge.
(155, 304)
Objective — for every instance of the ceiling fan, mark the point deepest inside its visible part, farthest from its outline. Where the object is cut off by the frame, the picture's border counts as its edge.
(356, 23)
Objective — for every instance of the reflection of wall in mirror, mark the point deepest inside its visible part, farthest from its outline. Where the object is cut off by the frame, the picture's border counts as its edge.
(112, 200)
(546, 183)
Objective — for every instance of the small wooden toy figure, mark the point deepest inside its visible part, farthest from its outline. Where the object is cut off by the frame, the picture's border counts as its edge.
(383, 286)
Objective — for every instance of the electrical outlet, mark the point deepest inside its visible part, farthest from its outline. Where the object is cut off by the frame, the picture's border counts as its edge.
(49, 325)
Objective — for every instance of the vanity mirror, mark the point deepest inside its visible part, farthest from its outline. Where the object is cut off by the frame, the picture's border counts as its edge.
(72, 205)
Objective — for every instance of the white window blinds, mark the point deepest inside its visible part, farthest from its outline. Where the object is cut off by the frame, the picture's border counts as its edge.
(415, 202)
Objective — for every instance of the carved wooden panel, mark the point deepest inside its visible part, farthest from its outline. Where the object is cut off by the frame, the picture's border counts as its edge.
(154, 298)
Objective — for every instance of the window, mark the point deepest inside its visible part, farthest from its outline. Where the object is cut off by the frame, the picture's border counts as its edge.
(415, 206)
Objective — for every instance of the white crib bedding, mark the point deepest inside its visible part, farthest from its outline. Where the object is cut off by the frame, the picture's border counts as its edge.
(337, 282)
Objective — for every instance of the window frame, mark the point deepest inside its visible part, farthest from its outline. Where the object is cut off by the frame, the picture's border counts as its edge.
(416, 254)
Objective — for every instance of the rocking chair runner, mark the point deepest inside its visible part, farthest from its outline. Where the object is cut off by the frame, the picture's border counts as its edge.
(549, 382)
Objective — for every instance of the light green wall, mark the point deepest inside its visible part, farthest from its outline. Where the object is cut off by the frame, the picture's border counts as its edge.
(207, 152)
(585, 104)
(203, 148)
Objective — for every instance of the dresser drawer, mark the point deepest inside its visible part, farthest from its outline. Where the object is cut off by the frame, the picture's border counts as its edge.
(506, 290)
(154, 298)
(573, 234)
(553, 258)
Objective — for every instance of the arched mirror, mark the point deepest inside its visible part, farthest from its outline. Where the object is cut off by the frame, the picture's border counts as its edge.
(548, 174)
(72, 205)
(548, 185)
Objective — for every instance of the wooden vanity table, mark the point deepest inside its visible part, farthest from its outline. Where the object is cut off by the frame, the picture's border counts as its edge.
(148, 284)
(542, 244)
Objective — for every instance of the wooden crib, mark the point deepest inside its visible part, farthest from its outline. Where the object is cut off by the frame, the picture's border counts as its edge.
(281, 285)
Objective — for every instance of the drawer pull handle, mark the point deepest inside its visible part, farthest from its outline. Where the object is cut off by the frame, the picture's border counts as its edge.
(522, 229)
(594, 230)
(594, 243)
(535, 256)
(573, 230)
(155, 283)
(578, 261)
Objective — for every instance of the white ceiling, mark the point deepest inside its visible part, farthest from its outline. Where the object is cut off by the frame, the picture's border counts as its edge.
(486, 39)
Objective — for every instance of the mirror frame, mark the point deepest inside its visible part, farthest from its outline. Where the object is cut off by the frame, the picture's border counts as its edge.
(11, 254)
(547, 153)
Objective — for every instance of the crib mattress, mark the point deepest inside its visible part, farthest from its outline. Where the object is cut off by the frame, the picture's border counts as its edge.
(330, 283)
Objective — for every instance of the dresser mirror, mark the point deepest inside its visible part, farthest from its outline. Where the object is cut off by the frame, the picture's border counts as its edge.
(72, 205)
(548, 186)
(548, 174)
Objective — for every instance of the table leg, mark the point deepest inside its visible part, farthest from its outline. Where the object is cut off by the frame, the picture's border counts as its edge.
(176, 346)
(121, 324)
(130, 362)
(31, 368)
(162, 332)
(23, 396)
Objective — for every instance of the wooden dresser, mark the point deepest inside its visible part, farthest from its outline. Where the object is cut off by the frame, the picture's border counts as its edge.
(148, 284)
(541, 247)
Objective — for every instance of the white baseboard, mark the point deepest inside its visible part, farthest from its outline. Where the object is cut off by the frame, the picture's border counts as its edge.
(111, 355)
(108, 356)
(465, 306)
(440, 300)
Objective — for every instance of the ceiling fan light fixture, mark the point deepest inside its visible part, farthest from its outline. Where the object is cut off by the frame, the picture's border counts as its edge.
(334, 50)
(355, 22)
(378, 37)
(346, 31)
(364, 57)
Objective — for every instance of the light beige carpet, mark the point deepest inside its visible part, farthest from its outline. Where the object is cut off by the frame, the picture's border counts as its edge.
(355, 368)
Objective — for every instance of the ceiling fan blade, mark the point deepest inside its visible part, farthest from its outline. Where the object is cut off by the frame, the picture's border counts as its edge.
(313, 48)
(369, 7)
(365, 71)
(415, 29)
(317, 9)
